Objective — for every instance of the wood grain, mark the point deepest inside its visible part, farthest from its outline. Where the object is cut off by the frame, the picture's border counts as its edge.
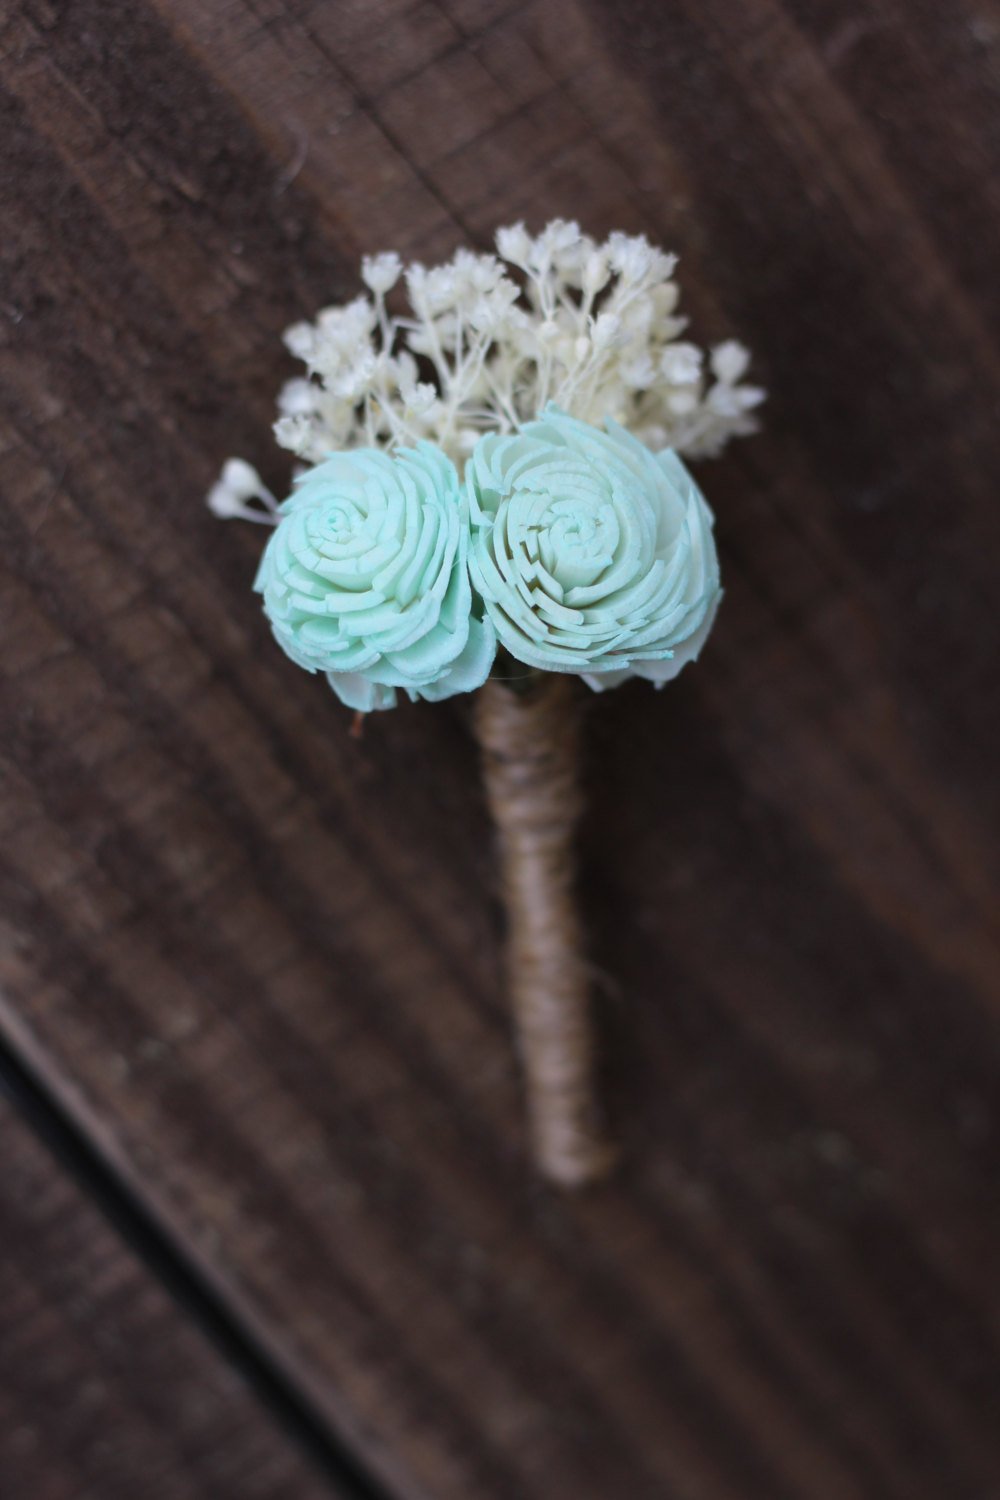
(259, 960)
(105, 1389)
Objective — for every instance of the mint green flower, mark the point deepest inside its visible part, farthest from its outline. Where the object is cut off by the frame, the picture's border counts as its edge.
(366, 578)
(592, 554)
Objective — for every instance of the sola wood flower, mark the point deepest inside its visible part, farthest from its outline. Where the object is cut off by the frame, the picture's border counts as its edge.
(592, 554)
(366, 579)
(502, 466)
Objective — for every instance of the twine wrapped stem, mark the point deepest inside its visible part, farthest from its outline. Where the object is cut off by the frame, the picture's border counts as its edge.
(529, 734)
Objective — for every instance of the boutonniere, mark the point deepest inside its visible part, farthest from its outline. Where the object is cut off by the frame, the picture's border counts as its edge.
(493, 498)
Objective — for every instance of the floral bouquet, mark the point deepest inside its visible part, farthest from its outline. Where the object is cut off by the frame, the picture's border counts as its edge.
(492, 499)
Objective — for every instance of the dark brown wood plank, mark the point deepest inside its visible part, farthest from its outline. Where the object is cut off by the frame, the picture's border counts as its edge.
(259, 960)
(105, 1387)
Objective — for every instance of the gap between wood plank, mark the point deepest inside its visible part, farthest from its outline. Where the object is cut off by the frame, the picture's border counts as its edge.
(183, 1282)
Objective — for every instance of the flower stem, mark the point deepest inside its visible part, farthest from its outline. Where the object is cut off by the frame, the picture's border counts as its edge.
(530, 747)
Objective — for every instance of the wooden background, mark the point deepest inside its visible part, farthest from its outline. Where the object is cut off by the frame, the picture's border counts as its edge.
(253, 963)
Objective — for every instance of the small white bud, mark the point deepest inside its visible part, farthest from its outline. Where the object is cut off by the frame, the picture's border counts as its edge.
(606, 330)
(683, 402)
(484, 315)
(639, 373)
(353, 381)
(381, 272)
(733, 401)
(596, 272)
(241, 478)
(297, 398)
(730, 361)
(560, 243)
(514, 243)
(222, 502)
(300, 340)
(485, 272)
(296, 434)
(681, 364)
(420, 398)
(238, 483)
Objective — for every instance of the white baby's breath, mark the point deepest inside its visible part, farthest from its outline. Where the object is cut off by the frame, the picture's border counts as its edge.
(488, 341)
(238, 485)
(381, 272)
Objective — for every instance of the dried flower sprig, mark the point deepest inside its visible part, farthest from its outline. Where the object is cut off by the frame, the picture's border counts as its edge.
(489, 341)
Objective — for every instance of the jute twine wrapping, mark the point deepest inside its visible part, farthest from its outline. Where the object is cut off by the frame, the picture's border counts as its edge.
(530, 744)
